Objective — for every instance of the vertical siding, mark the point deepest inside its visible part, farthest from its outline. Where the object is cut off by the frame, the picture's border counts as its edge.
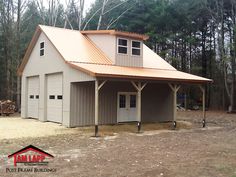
(50, 63)
(156, 102)
(108, 100)
(128, 59)
(108, 44)
(82, 104)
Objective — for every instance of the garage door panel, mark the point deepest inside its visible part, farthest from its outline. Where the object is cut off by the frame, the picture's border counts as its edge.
(54, 98)
(33, 97)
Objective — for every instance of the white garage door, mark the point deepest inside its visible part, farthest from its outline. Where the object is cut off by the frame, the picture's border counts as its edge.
(33, 97)
(54, 98)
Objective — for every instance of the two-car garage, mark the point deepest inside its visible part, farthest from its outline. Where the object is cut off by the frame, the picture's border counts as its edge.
(53, 96)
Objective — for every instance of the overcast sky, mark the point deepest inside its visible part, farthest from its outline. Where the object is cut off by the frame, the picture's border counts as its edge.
(87, 3)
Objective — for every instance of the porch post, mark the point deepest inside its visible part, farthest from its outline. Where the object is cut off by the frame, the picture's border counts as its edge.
(139, 87)
(96, 108)
(175, 89)
(139, 106)
(202, 88)
(97, 88)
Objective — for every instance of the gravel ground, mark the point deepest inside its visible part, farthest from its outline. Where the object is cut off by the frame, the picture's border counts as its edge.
(196, 151)
(16, 127)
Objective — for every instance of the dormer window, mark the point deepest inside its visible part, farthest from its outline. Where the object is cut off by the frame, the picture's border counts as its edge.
(136, 48)
(41, 51)
(122, 46)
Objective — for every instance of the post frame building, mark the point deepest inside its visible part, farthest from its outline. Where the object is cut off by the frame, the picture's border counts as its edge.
(80, 78)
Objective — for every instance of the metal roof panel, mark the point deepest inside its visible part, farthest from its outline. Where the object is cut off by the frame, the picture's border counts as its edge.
(114, 71)
(74, 46)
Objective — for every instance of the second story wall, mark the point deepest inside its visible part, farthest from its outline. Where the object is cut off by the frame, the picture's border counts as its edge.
(109, 44)
(129, 59)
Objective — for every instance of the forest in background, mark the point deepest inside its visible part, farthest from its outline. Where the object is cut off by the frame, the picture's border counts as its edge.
(197, 37)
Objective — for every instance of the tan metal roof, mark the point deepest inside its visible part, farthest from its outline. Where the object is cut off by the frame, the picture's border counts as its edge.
(152, 60)
(70, 44)
(74, 46)
(117, 33)
(80, 52)
(113, 71)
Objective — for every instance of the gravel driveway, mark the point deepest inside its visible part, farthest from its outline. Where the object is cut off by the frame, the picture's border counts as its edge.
(16, 127)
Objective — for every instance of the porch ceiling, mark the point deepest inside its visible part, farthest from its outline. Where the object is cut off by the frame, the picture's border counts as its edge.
(113, 71)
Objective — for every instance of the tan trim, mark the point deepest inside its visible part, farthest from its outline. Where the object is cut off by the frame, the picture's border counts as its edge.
(98, 49)
(117, 33)
(31, 46)
(81, 69)
(153, 78)
(28, 51)
(136, 77)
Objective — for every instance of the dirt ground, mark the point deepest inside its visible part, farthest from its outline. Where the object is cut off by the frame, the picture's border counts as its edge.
(189, 151)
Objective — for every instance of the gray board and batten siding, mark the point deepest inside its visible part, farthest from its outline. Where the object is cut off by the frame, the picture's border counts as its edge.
(156, 102)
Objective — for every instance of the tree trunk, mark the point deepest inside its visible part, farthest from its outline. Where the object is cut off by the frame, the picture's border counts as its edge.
(101, 15)
(18, 89)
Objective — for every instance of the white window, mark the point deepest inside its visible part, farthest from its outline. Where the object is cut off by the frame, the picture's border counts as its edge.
(41, 50)
(136, 48)
(122, 46)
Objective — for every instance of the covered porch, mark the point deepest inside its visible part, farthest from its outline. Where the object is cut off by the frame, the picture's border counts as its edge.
(113, 100)
(143, 94)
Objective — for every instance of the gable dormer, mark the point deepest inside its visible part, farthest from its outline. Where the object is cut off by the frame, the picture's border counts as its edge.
(123, 48)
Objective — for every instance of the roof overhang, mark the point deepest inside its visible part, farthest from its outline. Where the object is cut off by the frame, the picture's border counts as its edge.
(118, 33)
(138, 73)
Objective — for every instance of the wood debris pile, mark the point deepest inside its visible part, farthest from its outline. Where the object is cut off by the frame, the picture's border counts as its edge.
(7, 107)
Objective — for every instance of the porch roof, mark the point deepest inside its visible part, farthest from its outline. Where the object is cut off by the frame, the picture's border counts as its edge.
(114, 71)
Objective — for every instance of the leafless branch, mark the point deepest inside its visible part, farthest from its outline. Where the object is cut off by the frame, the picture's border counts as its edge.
(110, 24)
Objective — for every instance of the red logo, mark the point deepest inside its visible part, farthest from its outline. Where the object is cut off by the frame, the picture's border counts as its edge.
(30, 156)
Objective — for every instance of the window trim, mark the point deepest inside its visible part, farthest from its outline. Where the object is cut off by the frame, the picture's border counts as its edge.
(127, 47)
(42, 49)
(131, 51)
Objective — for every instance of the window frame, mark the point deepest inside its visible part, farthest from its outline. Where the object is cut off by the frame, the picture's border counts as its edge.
(123, 105)
(59, 97)
(52, 97)
(42, 49)
(127, 47)
(135, 48)
(133, 104)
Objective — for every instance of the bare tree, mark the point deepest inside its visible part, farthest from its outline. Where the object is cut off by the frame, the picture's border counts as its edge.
(50, 13)
(20, 10)
(101, 14)
(80, 13)
(115, 20)
(227, 62)
(66, 15)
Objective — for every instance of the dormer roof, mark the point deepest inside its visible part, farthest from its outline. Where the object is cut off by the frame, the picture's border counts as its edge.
(118, 33)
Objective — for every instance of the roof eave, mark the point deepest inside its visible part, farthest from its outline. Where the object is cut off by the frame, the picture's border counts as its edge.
(192, 81)
(117, 33)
